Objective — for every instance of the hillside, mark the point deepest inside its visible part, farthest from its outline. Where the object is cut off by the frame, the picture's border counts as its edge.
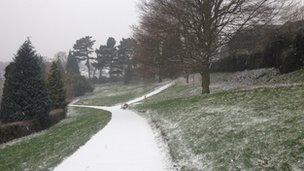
(242, 128)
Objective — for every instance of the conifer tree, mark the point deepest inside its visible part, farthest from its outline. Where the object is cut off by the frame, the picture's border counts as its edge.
(76, 84)
(82, 50)
(72, 66)
(106, 57)
(56, 86)
(25, 96)
(125, 58)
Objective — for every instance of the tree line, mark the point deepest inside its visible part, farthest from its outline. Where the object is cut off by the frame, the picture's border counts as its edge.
(114, 60)
(34, 87)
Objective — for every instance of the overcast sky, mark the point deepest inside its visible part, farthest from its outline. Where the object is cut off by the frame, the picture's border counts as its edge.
(54, 25)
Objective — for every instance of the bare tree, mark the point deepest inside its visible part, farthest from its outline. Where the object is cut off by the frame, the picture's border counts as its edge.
(205, 26)
(293, 11)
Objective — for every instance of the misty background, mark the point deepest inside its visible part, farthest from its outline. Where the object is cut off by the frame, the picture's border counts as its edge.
(55, 25)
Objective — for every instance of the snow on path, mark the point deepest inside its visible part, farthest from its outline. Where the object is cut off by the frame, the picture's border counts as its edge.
(127, 143)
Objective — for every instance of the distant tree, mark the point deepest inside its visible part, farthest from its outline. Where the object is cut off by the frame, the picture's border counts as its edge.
(55, 84)
(104, 58)
(154, 53)
(82, 50)
(111, 42)
(76, 84)
(145, 54)
(62, 56)
(72, 66)
(45, 66)
(114, 71)
(125, 62)
(25, 95)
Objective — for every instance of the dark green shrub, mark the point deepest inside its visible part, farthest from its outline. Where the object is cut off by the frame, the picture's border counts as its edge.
(78, 85)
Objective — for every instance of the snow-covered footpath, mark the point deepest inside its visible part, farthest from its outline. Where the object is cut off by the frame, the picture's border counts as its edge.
(127, 143)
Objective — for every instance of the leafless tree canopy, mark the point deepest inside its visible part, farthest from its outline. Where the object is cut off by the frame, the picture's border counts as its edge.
(204, 26)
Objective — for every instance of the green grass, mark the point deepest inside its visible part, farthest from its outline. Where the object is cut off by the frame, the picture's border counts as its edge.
(111, 94)
(49, 148)
(260, 129)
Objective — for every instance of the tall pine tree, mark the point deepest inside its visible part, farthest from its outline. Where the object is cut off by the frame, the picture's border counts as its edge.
(56, 86)
(82, 50)
(25, 96)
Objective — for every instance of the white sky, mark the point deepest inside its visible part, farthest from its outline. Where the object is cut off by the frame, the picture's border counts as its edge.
(54, 25)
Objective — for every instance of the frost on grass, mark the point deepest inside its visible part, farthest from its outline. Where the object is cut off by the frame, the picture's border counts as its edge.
(45, 150)
(235, 130)
(112, 94)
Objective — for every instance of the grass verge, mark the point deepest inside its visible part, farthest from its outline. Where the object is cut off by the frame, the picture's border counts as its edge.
(49, 148)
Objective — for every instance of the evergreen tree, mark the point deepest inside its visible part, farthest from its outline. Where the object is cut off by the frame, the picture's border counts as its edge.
(111, 51)
(103, 59)
(72, 66)
(83, 48)
(125, 58)
(106, 55)
(25, 96)
(111, 42)
(76, 84)
(56, 87)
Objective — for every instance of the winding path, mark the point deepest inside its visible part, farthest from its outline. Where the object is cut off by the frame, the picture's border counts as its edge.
(127, 143)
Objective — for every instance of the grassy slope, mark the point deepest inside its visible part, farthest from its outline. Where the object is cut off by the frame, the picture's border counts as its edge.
(294, 77)
(50, 147)
(107, 95)
(232, 130)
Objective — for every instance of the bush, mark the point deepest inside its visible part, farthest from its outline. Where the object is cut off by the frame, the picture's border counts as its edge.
(234, 63)
(289, 61)
(15, 130)
(78, 85)
(57, 115)
(21, 129)
(102, 80)
(82, 86)
(286, 52)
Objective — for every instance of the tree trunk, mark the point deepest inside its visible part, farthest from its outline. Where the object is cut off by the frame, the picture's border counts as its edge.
(187, 78)
(89, 68)
(94, 72)
(160, 80)
(100, 73)
(205, 74)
